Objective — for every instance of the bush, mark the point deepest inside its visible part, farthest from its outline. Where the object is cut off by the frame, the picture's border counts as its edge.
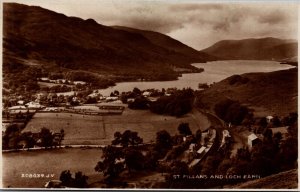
(231, 111)
(139, 103)
(177, 104)
(235, 79)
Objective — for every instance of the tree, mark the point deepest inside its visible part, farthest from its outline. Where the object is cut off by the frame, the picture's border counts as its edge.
(28, 137)
(80, 180)
(140, 102)
(198, 135)
(151, 160)
(10, 137)
(62, 136)
(91, 100)
(243, 154)
(179, 168)
(116, 93)
(127, 138)
(277, 138)
(231, 111)
(112, 164)
(163, 168)
(134, 159)
(178, 104)
(66, 178)
(46, 138)
(276, 121)
(263, 122)
(136, 91)
(163, 140)
(268, 135)
(184, 129)
(224, 166)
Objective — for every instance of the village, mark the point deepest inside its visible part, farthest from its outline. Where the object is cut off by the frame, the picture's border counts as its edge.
(20, 109)
(84, 118)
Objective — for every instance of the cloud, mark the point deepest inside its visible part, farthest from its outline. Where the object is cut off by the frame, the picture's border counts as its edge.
(196, 24)
(273, 17)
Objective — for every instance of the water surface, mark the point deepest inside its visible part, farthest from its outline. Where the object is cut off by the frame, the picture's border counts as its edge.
(213, 72)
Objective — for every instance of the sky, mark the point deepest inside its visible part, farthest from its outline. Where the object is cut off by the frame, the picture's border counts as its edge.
(197, 24)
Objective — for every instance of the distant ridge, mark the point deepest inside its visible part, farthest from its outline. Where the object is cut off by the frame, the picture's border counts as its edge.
(268, 48)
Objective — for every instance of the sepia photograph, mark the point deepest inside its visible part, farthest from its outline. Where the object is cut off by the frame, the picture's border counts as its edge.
(140, 94)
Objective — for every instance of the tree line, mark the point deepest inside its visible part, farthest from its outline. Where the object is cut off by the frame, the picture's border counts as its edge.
(14, 138)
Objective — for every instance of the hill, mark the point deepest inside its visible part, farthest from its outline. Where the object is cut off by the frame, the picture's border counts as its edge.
(34, 37)
(254, 49)
(267, 93)
(169, 43)
(283, 180)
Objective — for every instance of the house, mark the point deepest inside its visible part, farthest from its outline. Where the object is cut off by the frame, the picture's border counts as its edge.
(152, 99)
(34, 105)
(79, 82)
(201, 150)
(111, 98)
(20, 107)
(192, 147)
(252, 140)
(130, 100)
(269, 118)
(146, 94)
(60, 81)
(21, 102)
(226, 135)
(44, 79)
(187, 138)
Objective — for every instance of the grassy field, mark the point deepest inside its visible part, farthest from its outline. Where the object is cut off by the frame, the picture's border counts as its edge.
(84, 129)
(47, 162)
(79, 129)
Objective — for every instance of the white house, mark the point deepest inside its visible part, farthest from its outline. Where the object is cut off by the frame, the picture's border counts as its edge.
(112, 98)
(201, 150)
(17, 107)
(192, 147)
(79, 82)
(269, 118)
(34, 105)
(252, 140)
(44, 79)
(146, 94)
(21, 102)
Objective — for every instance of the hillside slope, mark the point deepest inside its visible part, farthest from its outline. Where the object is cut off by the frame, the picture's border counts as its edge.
(169, 43)
(283, 180)
(267, 93)
(33, 36)
(254, 49)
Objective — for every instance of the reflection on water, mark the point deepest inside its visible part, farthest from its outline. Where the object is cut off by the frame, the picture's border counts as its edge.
(213, 72)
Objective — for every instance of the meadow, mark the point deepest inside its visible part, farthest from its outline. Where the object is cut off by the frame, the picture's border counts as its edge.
(79, 129)
(98, 130)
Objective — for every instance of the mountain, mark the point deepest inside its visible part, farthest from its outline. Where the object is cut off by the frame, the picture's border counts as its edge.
(37, 37)
(169, 43)
(267, 93)
(254, 49)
